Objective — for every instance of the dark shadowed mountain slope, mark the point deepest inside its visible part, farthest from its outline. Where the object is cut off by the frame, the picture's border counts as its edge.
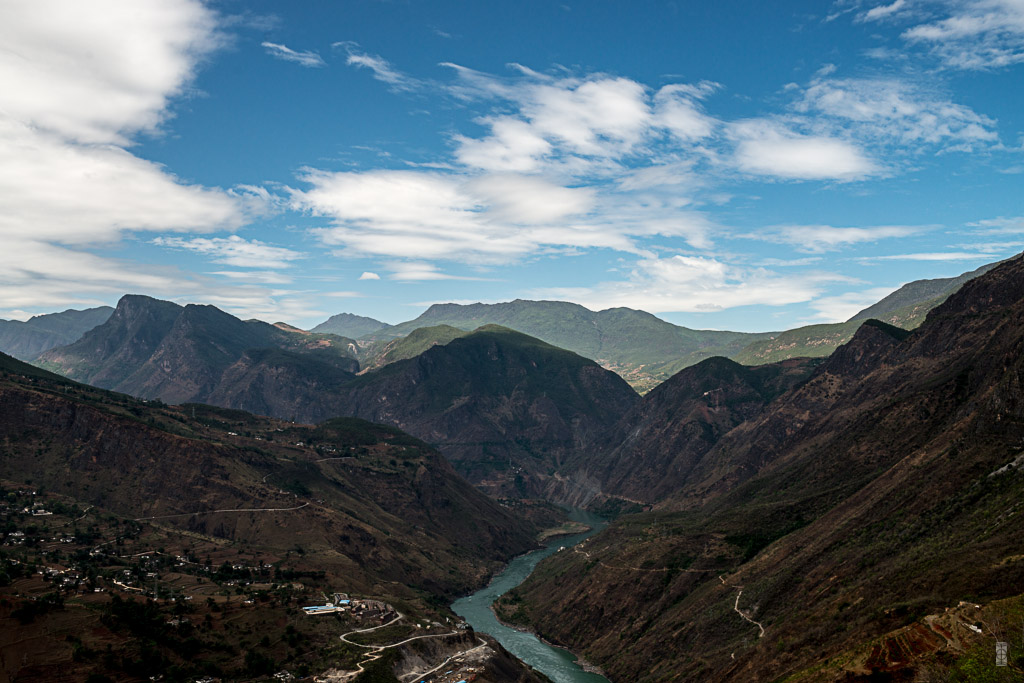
(361, 499)
(351, 326)
(639, 346)
(654, 448)
(26, 340)
(157, 349)
(882, 489)
(508, 409)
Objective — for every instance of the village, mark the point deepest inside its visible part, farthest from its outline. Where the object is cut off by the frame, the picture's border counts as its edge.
(275, 621)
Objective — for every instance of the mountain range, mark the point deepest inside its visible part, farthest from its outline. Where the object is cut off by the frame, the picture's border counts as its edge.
(26, 340)
(777, 520)
(640, 347)
(858, 507)
(506, 408)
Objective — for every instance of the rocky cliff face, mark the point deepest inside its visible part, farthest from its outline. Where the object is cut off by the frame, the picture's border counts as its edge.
(652, 451)
(157, 349)
(879, 490)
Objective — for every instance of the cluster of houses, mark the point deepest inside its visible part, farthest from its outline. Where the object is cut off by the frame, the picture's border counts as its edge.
(341, 602)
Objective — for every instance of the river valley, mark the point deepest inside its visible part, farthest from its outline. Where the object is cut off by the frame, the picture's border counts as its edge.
(556, 663)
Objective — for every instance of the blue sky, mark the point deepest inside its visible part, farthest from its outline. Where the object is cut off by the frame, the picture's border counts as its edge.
(730, 165)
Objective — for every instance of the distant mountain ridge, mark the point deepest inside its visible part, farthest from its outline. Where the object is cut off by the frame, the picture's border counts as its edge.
(506, 408)
(158, 349)
(640, 347)
(26, 340)
(350, 325)
(905, 308)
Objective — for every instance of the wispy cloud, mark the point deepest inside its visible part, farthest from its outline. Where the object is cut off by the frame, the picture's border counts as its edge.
(881, 12)
(696, 284)
(418, 271)
(822, 238)
(380, 67)
(931, 256)
(234, 251)
(886, 112)
(974, 34)
(1003, 225)
(489, 219)
(305, 58)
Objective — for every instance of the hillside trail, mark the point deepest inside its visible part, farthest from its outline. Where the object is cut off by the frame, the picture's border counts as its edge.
(377, 651)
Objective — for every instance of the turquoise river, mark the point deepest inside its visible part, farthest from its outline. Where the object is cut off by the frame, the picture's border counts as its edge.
(557, 664)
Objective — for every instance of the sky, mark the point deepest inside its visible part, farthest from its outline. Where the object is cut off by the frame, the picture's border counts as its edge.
(731, 165)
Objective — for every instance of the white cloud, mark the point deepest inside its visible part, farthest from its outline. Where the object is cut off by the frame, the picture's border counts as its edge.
(369, 276)
(418, 271)
(677, 109)
(576, 125)
(483, 219)
(95, 73)
(234, 251)
(891, 111)
(80, 81)
(381, 68)
(1004, 225)
(305, 58)
(840, 308)
(54, 189)
(528, 200)
(881, 12)
(695, 284)
(932, 256)
(822, 238)
(513, 145)
(765, 147)
(975, 34)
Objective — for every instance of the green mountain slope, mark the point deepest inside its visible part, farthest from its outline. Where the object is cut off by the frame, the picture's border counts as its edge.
(880, 490)
(640, 347)
(351, 326)
(905, 308)
(380, 353)
(26, 340)
(918, 292)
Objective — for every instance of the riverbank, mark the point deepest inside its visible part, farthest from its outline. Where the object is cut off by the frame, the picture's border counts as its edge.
(579, 659)
(570, 528)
